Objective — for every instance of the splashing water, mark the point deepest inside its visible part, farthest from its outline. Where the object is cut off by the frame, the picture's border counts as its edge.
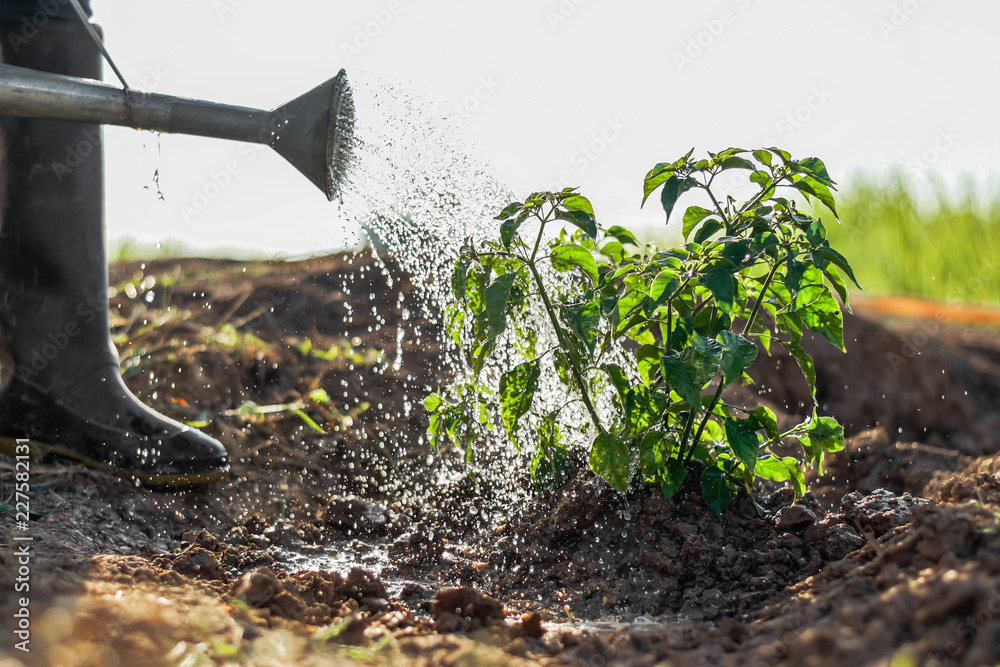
(419, 189)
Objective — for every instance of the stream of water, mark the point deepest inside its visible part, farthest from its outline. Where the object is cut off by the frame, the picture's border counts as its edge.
(420, 189)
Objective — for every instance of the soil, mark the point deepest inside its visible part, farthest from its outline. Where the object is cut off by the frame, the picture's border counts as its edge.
(342, 538)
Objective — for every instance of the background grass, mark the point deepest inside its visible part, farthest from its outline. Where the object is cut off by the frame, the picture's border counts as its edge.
(946, 248)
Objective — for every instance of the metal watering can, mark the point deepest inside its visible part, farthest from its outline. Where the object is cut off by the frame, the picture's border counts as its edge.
(313, 131)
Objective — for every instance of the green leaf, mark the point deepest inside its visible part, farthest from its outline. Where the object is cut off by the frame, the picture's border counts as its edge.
(716, 489)
(816, 233)
(560, 361)
(579, 203)
(826, 432)
(566, 257)
(688, 371)
(784, 155)
(648, 361)
(736, 162)
(584, 321)
(671, 477)
(660, 173)
(804, 361)
(496, 303)
(738, 354)
(708, 230)
(619, 379)
(622, 234)
(609, 458)
(763, 156)
(580, 219)
(309, 421)
(613, 249)
(768, 421)
(821, 313)
(507, 231)
(550, 464)
(654, 179)
(458, 277)
(433, 402)
(510, 210)
(798, 478)
(811, 186)
(663, 287)
(817, 170)
(517, 391)
(644, 409)
(692, 218)
(673, 188)
(742, 437)
(722, 285)
(839, 285)
(654, 451)
(839, 261)
(774, 469)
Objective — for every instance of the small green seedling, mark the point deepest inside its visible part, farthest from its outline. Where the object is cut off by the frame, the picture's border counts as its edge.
(663, 331)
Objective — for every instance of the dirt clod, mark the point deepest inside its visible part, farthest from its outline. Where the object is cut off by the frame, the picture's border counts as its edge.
(464, 610)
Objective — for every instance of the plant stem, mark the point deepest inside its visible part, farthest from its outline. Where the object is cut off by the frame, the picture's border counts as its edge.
(718, 207)
(670, 324)
(760, 298)
(684, 436)
(746, 330)
(570, 353)
(538, 239)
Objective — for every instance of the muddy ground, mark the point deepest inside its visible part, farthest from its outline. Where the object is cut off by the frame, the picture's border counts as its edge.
(342, 538)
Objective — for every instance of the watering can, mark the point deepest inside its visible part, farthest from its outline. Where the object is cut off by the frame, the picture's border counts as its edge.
(313, 132)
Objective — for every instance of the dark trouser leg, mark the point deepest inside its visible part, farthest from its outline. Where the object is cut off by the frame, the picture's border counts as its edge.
(66, 391)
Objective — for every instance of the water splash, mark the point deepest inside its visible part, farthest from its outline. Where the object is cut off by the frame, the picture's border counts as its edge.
(420, 189)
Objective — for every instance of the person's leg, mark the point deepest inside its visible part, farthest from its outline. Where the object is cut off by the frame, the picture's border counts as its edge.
(66, 392)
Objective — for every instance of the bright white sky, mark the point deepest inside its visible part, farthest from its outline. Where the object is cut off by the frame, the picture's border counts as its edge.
(858, 83)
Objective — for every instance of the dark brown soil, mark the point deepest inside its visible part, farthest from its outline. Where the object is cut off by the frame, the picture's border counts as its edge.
(894, 555)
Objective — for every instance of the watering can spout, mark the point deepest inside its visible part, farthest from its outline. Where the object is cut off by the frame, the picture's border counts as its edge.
(313, 132)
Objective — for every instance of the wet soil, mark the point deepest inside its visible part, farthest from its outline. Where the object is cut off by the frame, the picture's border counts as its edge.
(342, 538)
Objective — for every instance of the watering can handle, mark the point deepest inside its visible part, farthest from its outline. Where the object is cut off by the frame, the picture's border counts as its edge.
(97, 40)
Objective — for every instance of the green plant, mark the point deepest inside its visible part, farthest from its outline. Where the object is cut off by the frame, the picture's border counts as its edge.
(652, 330)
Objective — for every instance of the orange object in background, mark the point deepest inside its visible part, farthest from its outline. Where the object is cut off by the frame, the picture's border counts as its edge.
(921, 309)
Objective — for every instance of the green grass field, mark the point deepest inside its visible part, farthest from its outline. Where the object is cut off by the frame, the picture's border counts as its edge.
(948, 249)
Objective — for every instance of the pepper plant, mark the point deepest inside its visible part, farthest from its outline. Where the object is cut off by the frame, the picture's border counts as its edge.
(658, 333)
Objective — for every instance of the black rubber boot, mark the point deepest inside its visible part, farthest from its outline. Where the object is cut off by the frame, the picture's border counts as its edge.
(66, 395)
